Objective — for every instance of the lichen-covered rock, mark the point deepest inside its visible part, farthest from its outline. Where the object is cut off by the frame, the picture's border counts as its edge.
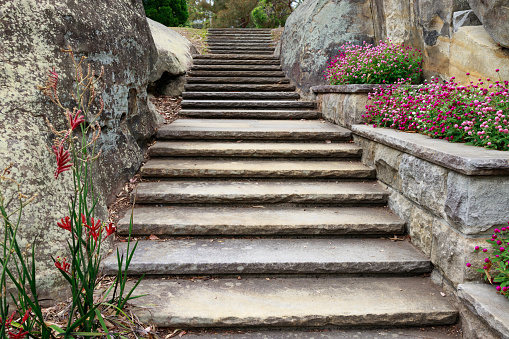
(315, 31)
(174, 59)
(494, 15)
(110, 33)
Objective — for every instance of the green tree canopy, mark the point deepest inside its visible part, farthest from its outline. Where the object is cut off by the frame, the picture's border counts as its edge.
(170, 13)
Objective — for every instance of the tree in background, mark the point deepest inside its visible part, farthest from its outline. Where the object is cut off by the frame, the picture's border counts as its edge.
(236, 13)
(273, 13)
(170, 13)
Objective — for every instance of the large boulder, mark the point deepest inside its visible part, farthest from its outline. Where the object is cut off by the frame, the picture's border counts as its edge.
(110, 33)
(494, 15)
(174, 59)
(315, 31)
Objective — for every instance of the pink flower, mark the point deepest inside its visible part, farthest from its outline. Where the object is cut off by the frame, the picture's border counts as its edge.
(63, 159)
(469, 264)
(77, 120)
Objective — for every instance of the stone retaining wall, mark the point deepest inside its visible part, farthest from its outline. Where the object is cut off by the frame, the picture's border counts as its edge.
(452, 196)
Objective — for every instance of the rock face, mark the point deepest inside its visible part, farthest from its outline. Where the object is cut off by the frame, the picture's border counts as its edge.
(315, 31)
(110, 33)
(494, 15)
(174, 59)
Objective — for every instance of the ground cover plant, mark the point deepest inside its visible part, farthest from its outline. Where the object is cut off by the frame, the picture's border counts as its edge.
(386, 63)
(495, 268)
(87, 313)
(475, 113)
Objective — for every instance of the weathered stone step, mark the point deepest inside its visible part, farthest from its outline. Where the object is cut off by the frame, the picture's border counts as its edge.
(199, 168)
(237, 67)
(234, 62)
(214, 73)
(281, 302)
(237, 35)
(247, 104)
(272, 256)
(239, 39)
(257, 150)
(260, 192)
(238, 87)
(261, 221)
(241, 95)
(265, 30)
(240, 45)
(223, 129)
(242, 80)
(235, 57)
(236, 51)
(249, 114)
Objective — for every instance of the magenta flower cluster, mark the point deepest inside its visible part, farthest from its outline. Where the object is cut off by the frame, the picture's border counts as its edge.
(368, 64)
(495, 267)
(476, 114)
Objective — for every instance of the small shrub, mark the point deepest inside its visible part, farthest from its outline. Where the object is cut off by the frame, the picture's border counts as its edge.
(496, 265)
(474, 114)
(386, 63)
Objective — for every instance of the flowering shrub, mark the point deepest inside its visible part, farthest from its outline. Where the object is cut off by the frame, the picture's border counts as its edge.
(368, 64)
(473, 113)
(74, 151)
(496, 264)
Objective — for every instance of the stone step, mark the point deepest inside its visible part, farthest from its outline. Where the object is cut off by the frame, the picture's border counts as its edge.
(241, 80)
(236, 67)
(240, 45)
(249, 114)
(241, 95)
(239, 39)
(261, 192)
(253, 35)
(264, 30)
(272, 256)
(235, 57)
(299, 302)
(257, 150)
(235, 62)
(236, 51)
(247, 104)
(234, 73)
(225, 129)
(261, 221)
(199, 168)
(239, 87)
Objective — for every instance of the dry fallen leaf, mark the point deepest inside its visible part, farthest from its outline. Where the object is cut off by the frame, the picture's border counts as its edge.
(153, 237)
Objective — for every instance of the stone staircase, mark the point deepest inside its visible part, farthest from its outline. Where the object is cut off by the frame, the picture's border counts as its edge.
(267, 217)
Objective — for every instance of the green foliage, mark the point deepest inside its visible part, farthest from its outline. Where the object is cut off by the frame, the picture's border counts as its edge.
(236, 13)
(272, 13)
(172, 13)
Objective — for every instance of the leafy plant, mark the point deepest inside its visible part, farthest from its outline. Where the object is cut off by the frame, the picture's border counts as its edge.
(386, 63)
(172, 13)
(496, 265)
(473, 113)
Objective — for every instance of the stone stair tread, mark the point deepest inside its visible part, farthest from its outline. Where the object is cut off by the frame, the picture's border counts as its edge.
(182, 148)
(242, 80)
(237, 67)
(234, 73)
(240, 95)
(239, 87)
(261, 220)
(327, 301)
(247, 103)
(235, 113)
(258, 192)
(272, 256)
(228, 62)
(236, 57)
(236, 168)
(247, 52)
(252, 129)
(426, 332)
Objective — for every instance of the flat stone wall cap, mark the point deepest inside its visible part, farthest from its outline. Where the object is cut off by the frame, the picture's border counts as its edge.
(358, 88)
(483, 301)
(469, 160)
